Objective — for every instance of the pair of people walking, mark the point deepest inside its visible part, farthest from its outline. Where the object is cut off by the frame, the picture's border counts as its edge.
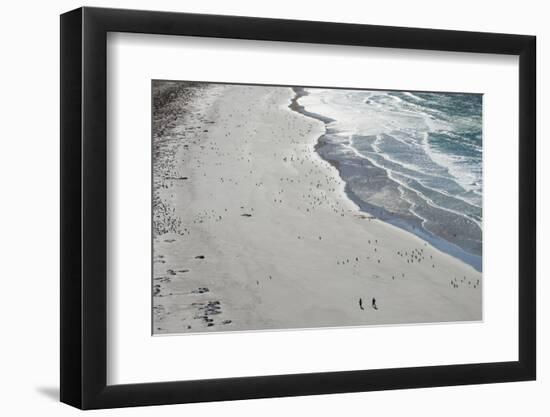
(373, 304)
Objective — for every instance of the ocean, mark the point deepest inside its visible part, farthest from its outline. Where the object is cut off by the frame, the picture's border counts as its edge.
(413, 159)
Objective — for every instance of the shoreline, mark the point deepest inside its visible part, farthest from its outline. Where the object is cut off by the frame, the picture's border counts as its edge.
(378, 212)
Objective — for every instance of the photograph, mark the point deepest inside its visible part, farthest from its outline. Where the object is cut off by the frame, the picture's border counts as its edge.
(292, 207)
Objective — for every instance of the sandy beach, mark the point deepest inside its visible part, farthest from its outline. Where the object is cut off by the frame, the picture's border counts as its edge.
(252, 230)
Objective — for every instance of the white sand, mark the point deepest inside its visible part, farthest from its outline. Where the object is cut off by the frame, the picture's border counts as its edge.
(305, 255)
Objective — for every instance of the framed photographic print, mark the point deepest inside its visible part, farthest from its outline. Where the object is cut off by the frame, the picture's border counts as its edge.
(257, 208)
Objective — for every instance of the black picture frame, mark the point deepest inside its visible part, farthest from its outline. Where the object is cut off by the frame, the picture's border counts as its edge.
(84, 207)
